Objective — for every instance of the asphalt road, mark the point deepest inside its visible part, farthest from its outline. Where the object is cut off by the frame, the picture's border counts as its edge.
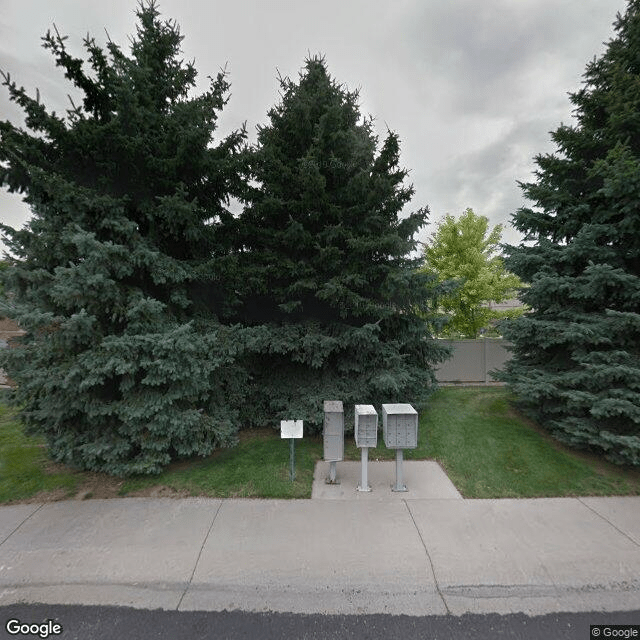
(109, 623)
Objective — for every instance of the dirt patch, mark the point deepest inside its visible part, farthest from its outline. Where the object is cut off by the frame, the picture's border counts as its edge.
(94, 486)
(42, 496)
(99, 486)
(159, 492)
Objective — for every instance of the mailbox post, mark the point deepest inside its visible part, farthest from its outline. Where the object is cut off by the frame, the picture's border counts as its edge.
(333, 436)
(400, 427)
(366, 434)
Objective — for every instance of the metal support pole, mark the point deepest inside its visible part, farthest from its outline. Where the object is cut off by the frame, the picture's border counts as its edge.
(292, 472)
(364, 461)
(399, 485)
(332, 474)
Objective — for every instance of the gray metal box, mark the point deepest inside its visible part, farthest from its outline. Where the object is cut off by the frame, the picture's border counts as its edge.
(400, 426)
(366, 426)
(333, 431)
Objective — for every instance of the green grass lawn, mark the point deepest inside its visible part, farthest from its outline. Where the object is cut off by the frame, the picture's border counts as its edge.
(23, 463)
(258, 467)
(490, 451)
(487, 449)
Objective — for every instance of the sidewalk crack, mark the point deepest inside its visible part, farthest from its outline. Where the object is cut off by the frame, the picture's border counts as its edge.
(433, 571)
(195, 566)
(27, 518)
(626, 535)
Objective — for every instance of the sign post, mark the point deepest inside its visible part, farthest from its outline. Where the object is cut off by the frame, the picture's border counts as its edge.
(292, 460)
(291, 429)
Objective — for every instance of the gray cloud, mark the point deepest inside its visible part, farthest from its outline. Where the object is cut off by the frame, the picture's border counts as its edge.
(472, 88)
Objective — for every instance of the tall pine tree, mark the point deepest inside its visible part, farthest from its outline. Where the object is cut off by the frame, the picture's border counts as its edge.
(576, 364)
(327, 280)
(120, 369)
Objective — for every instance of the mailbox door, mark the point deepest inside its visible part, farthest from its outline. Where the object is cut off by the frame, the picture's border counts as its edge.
(369, 430)
(366, 426)
(334, 424)
(333, 448)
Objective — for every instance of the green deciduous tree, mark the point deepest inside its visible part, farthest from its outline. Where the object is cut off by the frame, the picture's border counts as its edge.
(324, 259)
(576, 364)
(120, 369)
(464, 250)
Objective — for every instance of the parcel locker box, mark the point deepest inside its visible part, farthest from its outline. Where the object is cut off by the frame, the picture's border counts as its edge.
(366, 426)
(400, 426)
(333, 431)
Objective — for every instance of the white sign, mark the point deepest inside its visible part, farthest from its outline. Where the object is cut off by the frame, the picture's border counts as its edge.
(291, 428)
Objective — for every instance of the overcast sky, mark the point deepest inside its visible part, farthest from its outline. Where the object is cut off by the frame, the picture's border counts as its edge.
(472, 87)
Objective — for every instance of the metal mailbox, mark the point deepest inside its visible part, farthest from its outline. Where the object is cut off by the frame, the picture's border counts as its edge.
(400, 426)
(366, 432)
(333, 431)
(366, 426)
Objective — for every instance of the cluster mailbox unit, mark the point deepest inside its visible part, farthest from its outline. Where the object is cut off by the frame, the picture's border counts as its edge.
(400, 428)
(333, 436)
(366, 433)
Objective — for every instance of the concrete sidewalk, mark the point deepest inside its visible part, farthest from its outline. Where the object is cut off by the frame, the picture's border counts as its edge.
(385, 553)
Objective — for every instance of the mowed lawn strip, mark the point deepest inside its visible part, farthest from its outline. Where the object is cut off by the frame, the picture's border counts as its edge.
(489, 450)
(258, 467)
(23, 463)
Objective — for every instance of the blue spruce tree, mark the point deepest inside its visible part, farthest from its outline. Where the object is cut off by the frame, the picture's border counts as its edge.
(338, 306)
(122, 368)
(576, 364)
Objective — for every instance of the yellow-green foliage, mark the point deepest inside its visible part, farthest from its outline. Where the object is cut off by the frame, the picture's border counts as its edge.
(466, 251)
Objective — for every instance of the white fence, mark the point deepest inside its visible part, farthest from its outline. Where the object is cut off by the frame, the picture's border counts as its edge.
(472, 360)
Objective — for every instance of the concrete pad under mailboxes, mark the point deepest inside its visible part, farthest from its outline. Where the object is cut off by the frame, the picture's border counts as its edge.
(522, 555)
(424, 479)
(316, 557)
(105, 542)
